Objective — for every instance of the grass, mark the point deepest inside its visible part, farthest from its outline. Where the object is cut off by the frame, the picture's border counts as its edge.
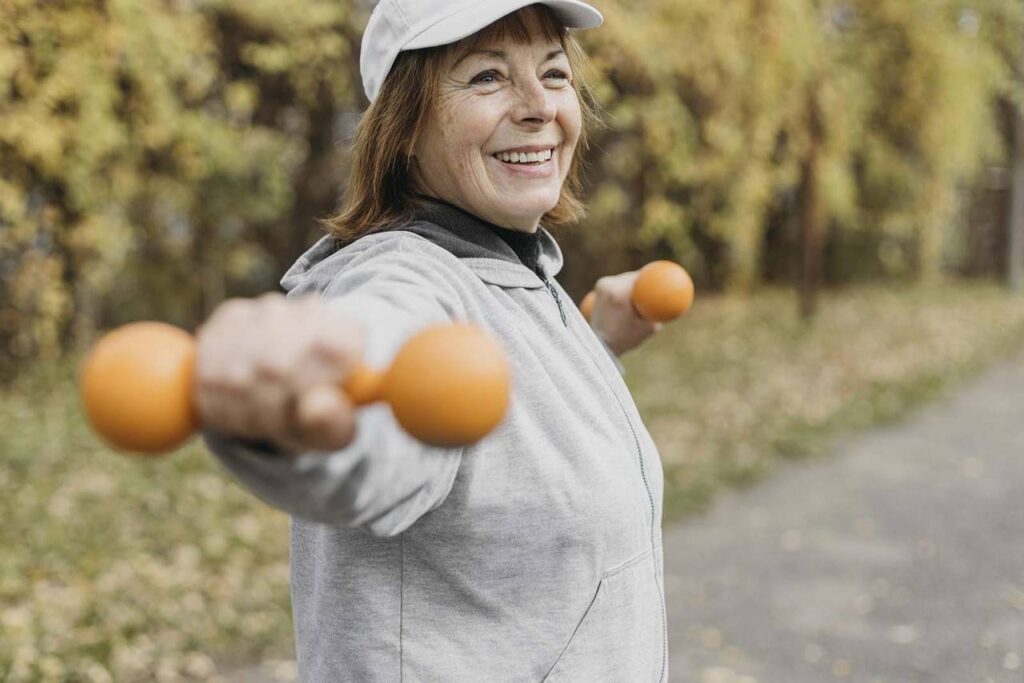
(114, 570)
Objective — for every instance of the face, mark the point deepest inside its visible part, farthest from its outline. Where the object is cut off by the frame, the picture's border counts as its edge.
(503, 103)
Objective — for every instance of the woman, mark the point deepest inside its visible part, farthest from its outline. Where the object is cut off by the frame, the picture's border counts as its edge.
(534, 554)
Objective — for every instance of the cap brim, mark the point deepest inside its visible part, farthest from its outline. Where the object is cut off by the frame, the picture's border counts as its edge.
(573, 14)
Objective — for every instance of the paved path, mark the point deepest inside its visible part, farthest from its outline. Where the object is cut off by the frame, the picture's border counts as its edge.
(899, 559)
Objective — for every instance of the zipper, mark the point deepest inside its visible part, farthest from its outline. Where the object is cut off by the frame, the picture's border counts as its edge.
(633, 431)
(639, 452)
(636, 439)
(558, 300)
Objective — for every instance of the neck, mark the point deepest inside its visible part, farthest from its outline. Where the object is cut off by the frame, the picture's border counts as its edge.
(525, 245)
(533, 229)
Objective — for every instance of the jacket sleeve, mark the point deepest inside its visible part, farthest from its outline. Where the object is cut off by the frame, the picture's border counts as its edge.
(384, 480)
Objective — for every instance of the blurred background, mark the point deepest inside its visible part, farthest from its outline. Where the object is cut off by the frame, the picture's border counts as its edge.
(844, 179)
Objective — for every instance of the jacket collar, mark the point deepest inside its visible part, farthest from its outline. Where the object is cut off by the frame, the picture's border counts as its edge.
(474, 241)
(465, 236)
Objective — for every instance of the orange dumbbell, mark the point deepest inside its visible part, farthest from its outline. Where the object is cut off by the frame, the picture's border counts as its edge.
(447, 386)
(663, 291)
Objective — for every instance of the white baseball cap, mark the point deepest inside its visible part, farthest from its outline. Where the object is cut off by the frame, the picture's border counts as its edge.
(397, 25)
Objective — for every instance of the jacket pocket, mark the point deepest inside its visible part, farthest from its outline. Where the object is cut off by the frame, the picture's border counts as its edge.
(621, 636)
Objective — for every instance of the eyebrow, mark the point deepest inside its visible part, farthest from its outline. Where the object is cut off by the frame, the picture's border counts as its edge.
(503, 55)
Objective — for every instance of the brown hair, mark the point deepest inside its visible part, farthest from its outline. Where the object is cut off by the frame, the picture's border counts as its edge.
(380, 190)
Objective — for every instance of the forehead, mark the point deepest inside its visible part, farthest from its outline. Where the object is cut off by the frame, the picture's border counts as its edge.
(535, 25)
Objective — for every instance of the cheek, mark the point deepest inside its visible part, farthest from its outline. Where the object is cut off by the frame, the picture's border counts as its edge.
(571, 118)
(468, 130)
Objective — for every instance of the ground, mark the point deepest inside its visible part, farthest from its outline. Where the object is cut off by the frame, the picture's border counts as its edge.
(898, 559)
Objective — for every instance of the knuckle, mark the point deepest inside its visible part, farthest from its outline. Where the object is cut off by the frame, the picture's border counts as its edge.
(205, 405)
(219, 415)
(335, 347)
(273, 366)
(270, 297)
(207, 386)
(607, 286)
(233, 309)
(236, 377)
(271, 302)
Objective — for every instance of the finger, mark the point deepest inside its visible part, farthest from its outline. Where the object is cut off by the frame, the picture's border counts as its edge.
(290, 438)
(234, 311)
(633, 309)
(268, 406)
(332, 356)
(324, 418)
(220, 394)
(228, 413)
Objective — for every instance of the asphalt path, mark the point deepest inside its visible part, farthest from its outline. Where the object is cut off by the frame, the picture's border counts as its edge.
(897, 559)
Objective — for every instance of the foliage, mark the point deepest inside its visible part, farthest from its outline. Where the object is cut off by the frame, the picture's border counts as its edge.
(151, 154)
(709, 107)
(159, 156)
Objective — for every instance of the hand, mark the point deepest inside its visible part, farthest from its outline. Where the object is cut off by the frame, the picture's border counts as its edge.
(272, 369)
(615, 320)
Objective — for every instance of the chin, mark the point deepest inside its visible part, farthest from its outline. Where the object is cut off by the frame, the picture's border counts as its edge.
(534, 205)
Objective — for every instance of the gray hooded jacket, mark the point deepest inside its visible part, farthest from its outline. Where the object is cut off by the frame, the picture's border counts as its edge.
(533, 555)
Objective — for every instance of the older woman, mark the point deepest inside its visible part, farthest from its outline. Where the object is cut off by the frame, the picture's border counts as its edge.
(534, 554)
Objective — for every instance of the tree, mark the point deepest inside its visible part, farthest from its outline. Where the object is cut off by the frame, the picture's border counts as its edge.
(155, 156)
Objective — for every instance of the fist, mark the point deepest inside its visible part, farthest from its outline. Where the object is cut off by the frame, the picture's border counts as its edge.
(614, 319)
(272, 369)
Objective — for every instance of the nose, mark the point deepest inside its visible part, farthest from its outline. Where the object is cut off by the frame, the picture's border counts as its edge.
(535, 104)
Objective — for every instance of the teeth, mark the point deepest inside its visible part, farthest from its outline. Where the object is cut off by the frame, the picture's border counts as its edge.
(524, 157)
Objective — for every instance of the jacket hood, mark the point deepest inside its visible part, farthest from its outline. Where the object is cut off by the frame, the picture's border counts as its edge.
(467, 237)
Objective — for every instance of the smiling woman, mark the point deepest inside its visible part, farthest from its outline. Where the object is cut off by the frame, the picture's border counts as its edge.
(535, 553)
(444, 112)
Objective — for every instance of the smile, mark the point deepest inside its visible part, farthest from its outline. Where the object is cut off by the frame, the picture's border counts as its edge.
(525, 158)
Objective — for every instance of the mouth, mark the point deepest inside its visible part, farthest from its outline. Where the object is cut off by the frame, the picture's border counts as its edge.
(528, 158)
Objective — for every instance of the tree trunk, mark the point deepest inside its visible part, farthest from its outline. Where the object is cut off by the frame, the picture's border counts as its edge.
(316, 183)
(812, 214)
(1015, 224)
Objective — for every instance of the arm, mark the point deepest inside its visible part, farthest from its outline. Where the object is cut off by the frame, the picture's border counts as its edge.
(384, 480)
(615, 320)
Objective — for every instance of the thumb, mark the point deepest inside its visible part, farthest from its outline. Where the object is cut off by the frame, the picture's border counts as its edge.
(325, 418)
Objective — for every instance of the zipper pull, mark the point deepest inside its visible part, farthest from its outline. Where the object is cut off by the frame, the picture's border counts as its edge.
(558, 301)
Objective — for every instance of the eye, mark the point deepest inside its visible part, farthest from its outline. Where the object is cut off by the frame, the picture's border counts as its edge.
(483, 76)
(561, 75)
